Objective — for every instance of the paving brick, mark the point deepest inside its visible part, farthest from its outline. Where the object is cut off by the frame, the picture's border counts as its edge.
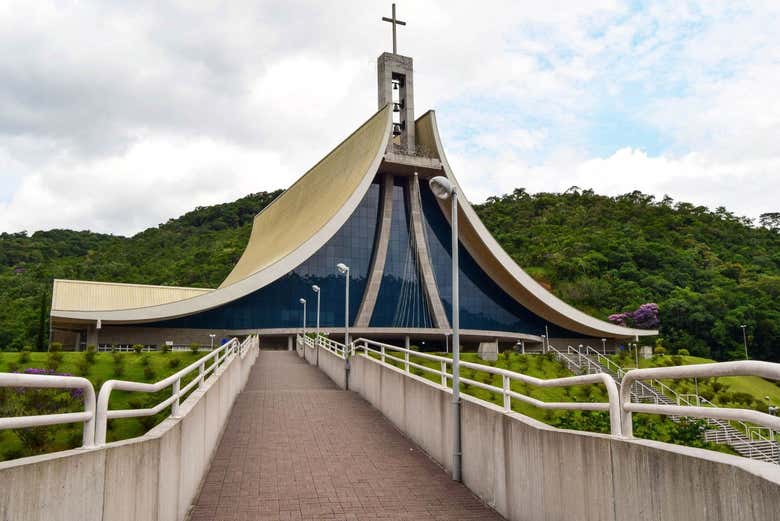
(296, 447)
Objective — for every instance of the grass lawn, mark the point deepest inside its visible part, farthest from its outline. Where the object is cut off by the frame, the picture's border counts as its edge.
(104, 368)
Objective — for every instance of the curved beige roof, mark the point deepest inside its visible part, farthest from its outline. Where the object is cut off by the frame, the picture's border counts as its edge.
(286, 233)
(312, 201)
(492, 258)
(76, 295)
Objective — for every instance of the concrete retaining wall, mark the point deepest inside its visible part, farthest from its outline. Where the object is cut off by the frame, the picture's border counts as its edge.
(530, 471)
(153, 477)
(329, 363)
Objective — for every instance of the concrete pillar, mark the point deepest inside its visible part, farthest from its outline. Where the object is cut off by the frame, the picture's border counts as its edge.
(380, 254)
(424, 263)
(78, 341)
(289, 342)
(92, 336)
(406, 342)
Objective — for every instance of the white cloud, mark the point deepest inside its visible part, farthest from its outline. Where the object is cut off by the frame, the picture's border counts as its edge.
(115, 116)
(153, 181)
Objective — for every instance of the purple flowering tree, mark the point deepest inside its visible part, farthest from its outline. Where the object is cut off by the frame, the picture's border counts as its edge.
(644, 317)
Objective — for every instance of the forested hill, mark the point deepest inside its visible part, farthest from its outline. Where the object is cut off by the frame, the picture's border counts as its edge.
(708, 271)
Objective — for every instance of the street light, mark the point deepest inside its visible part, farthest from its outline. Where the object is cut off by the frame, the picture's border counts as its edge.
(211, 336)
(303, 301)
(443, 189)
(604, 346)
(316, 289)
(343, 268)
(744, 339)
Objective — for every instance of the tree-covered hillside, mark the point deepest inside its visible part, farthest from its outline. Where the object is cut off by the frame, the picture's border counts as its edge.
(708, 271)
(197, 249)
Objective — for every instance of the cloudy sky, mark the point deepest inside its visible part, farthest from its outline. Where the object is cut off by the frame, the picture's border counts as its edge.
(116, 115)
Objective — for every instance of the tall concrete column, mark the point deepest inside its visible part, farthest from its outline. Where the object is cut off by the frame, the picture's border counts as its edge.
(381, 242)
(289, 342)
(92, 335)
(435, 305)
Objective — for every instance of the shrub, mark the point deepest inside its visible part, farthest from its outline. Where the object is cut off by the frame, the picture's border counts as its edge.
(24, 357)
(659, 350)
(13, 367)
(194, 347)
(677, 360)
(165, 348)
(55, 347)
(149, 373)
(89, 354)
(173, 363)
(82, 367)
(53, 361)
(119, 364)
(146, 361)
(138, 348)
(742, 398)
(683, 352)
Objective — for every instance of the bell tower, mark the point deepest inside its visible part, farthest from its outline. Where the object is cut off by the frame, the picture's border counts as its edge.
(396, 87)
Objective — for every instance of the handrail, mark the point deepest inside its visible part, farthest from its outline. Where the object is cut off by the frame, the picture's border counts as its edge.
(662, 392)
(739, 368)
(53, 382)
(326, 343)
(506, 376)
(219, 355)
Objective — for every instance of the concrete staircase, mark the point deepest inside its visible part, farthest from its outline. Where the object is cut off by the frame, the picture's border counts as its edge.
(747, 441)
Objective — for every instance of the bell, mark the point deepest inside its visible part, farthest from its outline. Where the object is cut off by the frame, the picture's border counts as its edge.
(396, 107)
(396, 129)
(395, 85)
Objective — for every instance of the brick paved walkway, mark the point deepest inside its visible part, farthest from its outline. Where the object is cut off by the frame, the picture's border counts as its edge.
(297, 447)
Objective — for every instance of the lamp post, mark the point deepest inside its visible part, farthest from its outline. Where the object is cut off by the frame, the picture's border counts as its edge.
(604, 346)
(303, 301)
(744, 340)
(316, 289)
(446, 342)
(211, 336)
(343, 268)
(443, 189)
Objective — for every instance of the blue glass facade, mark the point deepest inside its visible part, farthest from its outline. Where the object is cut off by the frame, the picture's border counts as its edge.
(483, 304)
(276, 305)
(401, 300)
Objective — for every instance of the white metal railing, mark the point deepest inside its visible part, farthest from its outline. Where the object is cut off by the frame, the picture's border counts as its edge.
(220, 356)
(740, 368)
(87, 416)
(324, 342)
(663, 394)
(380, 354)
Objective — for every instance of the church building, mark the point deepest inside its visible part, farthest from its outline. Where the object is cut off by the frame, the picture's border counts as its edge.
(368, 206)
